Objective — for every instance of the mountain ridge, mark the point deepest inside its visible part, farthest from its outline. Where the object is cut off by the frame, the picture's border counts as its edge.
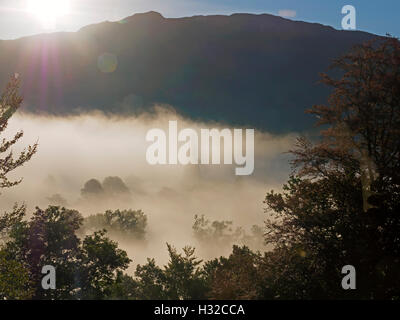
(256, 70)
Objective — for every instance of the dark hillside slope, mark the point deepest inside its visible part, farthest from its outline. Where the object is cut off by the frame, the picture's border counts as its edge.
(253, 70)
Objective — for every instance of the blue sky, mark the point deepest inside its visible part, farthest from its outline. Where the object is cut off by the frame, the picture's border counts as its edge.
(378, 17)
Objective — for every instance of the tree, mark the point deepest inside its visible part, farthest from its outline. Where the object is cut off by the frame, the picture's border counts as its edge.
(14, 279)
(10, 102)
(341, 204)
(48, 239)
(100, 261)
(114, 186)
(181, 279)
(92, 188)
(84, 269)
(151, 282)
(124, 288)
(235, 277)
(183, 275)
(222, 235)
(14, 276)
(126, 223)
(219, 233)
(111, 188)
(9, 219)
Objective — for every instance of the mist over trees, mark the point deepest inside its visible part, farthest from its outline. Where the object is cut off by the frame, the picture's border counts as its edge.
(57, 200)
(222, 234)
(127, 224)
(111, 188)
(85, 269)
(340, 206)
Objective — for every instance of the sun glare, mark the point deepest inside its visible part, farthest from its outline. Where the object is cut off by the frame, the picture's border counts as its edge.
(47, 11)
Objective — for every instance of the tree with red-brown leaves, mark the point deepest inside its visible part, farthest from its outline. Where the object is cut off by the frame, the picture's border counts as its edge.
(341, 206)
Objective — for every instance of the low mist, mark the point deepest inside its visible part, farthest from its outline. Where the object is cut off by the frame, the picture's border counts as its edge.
(112, 151)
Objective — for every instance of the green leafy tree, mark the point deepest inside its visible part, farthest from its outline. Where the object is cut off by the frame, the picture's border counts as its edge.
(151, 282)
(100, 260)
(48, 239)
(181, 278)
(218, 232)
(124, 287)
(184, 276)
(9, 219)
(125, 223)
(14, 279)
(222, 234)
(10, 102)
(84, 269)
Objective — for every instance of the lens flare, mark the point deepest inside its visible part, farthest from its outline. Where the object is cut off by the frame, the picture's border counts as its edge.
(47, 11)
(107, 62)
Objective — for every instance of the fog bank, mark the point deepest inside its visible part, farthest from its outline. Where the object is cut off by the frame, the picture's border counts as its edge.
(73, 150)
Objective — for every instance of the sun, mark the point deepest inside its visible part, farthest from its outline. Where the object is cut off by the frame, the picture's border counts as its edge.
(47, 11)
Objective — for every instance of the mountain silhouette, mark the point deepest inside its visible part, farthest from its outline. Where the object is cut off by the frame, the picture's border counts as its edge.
(258, 71)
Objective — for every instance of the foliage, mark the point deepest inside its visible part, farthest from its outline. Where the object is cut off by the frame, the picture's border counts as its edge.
(235, 277)
(221, 234)
(10, 102)
(84, 269)
(14, 276)
(14, 279)
(99, 261)
(151, 281)
(9, 219)
(341, 206)
(126, 223)
(123, 288)
(181, 278)
(111, 188)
